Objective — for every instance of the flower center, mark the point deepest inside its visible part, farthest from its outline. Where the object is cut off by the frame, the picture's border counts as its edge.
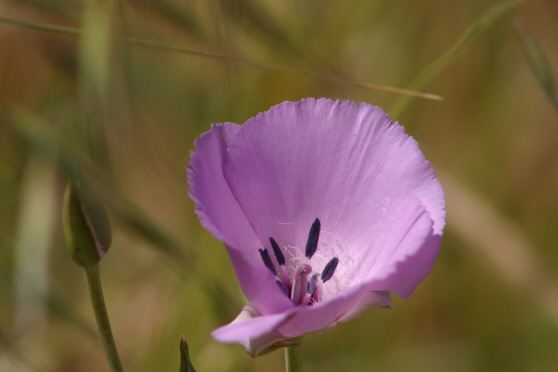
(295, 284)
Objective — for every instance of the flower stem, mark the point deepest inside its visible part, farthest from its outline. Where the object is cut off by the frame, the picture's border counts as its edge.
(93, 279)
(293, 357)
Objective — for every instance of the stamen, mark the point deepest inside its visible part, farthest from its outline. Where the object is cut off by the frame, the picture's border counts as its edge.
(313, 236)
(277, 251)
(267, 260)
(312, 285)
(329, 269)
(283, 287)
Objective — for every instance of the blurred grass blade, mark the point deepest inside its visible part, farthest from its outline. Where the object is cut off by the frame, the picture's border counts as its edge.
(34, 237)
(14, 356)
(223, 57)
(535, 59)
(258, 22)
(66, 311)
(96, 76)
(181, 256)
(174, 14)
(95, 45)
(452, 54)
(42, 138)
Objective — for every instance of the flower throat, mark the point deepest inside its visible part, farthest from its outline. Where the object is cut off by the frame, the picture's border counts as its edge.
(300, 289)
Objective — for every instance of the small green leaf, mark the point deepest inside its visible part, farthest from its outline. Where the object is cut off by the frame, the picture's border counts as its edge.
(86, 227)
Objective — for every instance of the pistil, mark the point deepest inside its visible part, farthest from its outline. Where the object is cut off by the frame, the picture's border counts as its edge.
(298, 287)
(300, 283)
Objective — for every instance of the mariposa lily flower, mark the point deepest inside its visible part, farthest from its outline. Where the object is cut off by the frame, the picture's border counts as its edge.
(324, 207)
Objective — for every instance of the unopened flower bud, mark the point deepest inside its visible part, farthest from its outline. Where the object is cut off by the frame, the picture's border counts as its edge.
(86, 227)
(185, 362)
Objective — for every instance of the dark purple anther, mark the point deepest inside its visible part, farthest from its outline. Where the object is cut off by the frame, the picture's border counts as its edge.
(283, 287)
(312, 285)
(267, 260)
(329, 269)
(277, 251)
(313, 236)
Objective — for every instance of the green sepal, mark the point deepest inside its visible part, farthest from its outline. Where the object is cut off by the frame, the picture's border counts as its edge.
(275, 346)
(86, 227)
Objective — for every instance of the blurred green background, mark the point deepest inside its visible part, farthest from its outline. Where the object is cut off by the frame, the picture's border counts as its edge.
(127, 114)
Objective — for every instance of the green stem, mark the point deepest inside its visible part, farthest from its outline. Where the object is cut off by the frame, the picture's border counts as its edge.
(93, 279)
(293, 357)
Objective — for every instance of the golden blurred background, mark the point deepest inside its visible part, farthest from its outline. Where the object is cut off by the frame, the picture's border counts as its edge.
(121, 89)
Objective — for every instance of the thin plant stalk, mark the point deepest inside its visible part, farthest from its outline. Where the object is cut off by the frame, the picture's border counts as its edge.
(293, 357)
(483, 22)
(535, 59)
(93, 279)
(202, 53)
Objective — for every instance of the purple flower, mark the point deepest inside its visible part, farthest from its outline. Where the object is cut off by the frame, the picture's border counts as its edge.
(324, 208)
